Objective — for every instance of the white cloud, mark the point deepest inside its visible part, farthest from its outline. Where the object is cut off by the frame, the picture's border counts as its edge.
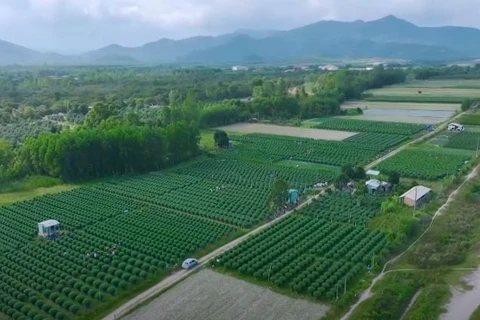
(85, 24)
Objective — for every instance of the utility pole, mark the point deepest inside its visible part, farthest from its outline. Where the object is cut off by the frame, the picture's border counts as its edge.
(415, 201)
(269, 270)
(478, 144)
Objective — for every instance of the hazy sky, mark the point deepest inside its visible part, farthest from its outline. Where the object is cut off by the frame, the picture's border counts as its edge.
(71, 26)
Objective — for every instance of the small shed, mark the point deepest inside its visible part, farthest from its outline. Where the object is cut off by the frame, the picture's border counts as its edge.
(372, 173)
(49, 228)
(416, 195)
(293, 196)
(374, 185)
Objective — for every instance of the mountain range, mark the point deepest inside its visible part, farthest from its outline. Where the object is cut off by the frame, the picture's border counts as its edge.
(388, 37)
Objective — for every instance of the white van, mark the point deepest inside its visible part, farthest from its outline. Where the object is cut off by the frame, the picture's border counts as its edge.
(455, 127)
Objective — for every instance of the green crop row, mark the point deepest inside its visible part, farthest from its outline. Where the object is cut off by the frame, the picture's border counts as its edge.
(343, 207)
(377, 141)
(419, 99)
(271, 148)
(427, 164)
(371, 126)
(464, 140)
(308, 255)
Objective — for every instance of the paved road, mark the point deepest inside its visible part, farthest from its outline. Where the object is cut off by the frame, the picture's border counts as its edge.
(368, 292)
(182, 274)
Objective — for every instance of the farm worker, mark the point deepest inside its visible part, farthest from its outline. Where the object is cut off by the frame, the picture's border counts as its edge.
(95, 255)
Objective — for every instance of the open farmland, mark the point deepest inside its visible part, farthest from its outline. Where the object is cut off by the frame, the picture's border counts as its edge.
(287, 131)
(400, 105)
(153, 221)
(432, 91)
(426, 164)
(398, 119)
(370, 126)
(271, 148)
(309, 254)
(464, 140)
(470, 119)
(214, 296)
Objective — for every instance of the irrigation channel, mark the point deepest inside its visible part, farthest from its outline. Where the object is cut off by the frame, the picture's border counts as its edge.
(178, 276)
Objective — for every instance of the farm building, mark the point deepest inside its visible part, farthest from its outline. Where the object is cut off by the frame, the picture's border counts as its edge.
(374, 186)
(48, 228)
(372, 173)
(415, 196)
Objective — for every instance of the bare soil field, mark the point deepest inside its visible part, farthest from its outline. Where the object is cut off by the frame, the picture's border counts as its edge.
(396, 118)
(214, 296)
(288, 131)
(400, 105)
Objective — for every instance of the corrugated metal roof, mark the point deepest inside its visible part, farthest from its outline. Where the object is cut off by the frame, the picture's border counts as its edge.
(49, 223)
(416, 193)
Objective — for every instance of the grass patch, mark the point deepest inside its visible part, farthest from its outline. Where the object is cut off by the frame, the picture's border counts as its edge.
(31, 187)
(476, 314)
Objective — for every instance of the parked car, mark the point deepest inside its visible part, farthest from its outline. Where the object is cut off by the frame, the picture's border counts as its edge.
(189, 263)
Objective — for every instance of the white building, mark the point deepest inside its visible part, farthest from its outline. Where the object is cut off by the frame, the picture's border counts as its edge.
(239, 68)
(329, 67)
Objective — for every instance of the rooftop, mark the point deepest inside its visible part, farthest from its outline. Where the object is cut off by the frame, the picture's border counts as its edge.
(49, 223)
(416, 193)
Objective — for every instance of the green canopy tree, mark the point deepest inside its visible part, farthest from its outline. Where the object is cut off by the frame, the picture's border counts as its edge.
(279, 195)
(221, 139)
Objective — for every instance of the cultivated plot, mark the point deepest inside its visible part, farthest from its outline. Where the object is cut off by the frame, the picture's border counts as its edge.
(288, 131)
(213, 296)
(398, 119)
(433, 92)
(400, 105)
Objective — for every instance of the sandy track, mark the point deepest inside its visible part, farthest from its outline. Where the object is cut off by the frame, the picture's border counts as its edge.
(288, 131)
(214, 296)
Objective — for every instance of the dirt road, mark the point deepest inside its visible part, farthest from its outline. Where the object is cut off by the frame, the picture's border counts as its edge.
(368, 292)
(182, 274)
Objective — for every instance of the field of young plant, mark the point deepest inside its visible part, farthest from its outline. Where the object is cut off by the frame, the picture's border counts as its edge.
(270, 148)
(426, 164)
(398, 128)
(124, 231)
(470, 119)
(433, 91)
(310, 256)
(340, 206)
(377, 141)
(464, 140)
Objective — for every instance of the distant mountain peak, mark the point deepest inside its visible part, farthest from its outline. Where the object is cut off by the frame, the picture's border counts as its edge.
(391, 19)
